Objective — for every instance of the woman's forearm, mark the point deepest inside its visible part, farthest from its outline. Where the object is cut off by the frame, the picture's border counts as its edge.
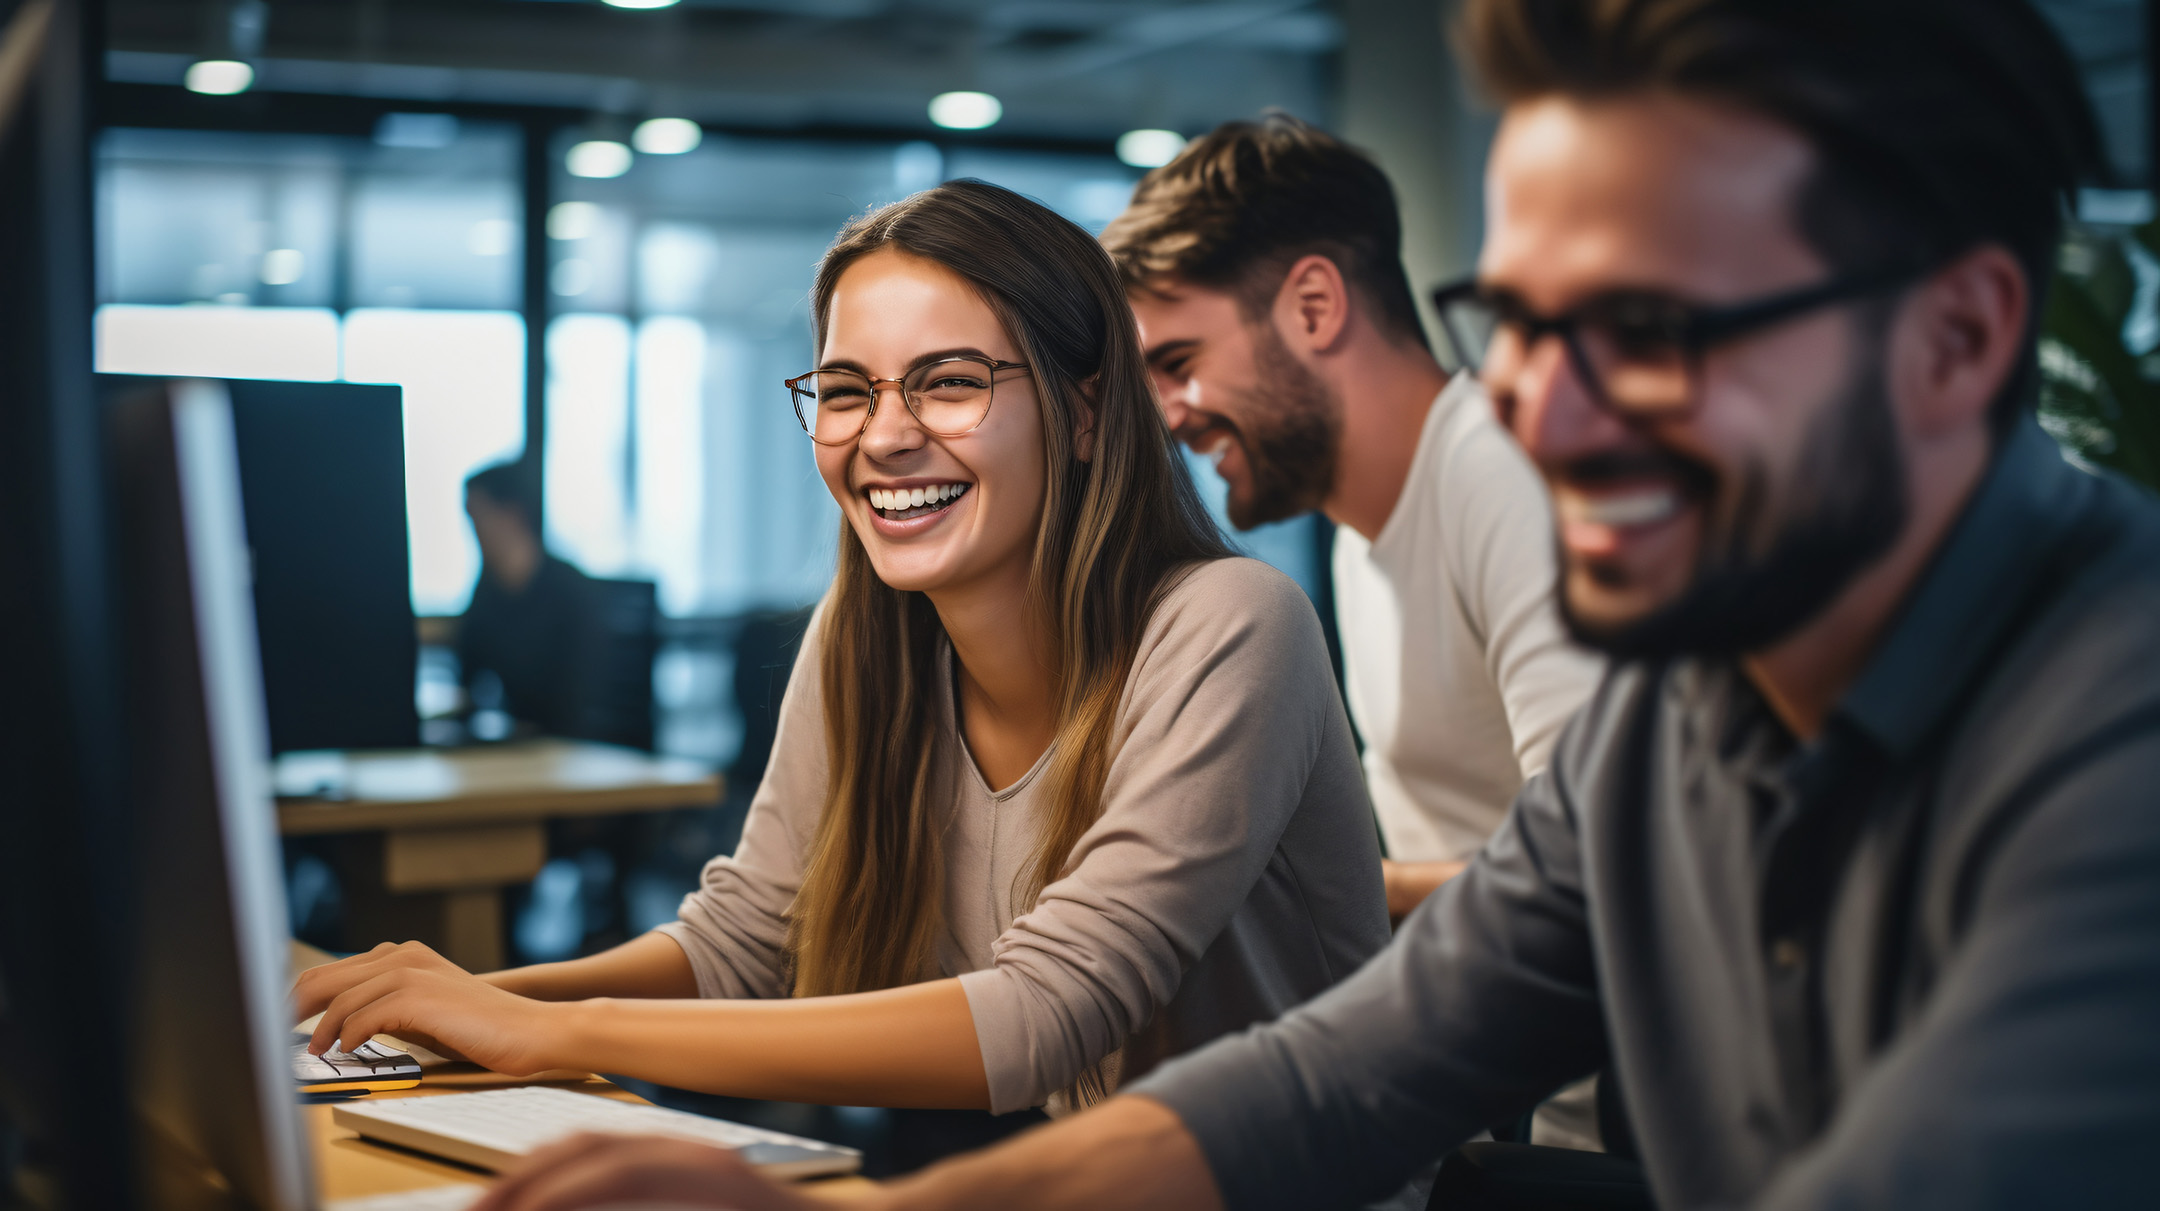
(652, 966)
(912, 1046)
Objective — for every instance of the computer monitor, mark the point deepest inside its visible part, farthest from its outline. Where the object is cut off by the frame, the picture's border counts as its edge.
(209, 1068)
(171, 1025)
(62, 902)
(322, 493)
(142, 1026)
(322, 485)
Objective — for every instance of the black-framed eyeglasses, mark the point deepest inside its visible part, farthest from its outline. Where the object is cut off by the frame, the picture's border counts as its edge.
(949, 397)
(1638, 352)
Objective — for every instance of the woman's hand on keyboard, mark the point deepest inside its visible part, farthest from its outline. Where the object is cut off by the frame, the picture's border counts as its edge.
(408, 990)
(615, 1170)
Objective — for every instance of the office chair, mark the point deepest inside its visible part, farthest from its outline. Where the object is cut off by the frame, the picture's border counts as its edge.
(764, 646)
(614, 704)
(1511, 1174)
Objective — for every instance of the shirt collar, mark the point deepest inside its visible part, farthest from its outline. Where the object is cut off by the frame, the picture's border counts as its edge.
(1971, 592)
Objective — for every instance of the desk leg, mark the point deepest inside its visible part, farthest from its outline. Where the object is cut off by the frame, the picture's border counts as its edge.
(472, 928)
(442, 887)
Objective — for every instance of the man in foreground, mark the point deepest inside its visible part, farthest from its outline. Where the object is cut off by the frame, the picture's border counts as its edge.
(1852, 854)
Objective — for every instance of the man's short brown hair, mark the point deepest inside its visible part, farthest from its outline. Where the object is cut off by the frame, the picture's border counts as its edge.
(1938, 125)
(1243, 202)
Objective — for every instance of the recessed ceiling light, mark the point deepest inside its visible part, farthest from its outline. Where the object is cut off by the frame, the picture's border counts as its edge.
(643, 3)
(1149, 148)
(965, 110)
(598, 158)
(667, 136)
(219, 77)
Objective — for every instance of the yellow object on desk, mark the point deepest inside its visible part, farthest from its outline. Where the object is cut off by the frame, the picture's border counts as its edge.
(454, 827)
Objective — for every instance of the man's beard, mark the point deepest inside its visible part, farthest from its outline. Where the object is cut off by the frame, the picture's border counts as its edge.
(1289, 431)
(1742, 602)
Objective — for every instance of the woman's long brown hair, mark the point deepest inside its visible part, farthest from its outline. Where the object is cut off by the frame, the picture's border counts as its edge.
(1115, 528)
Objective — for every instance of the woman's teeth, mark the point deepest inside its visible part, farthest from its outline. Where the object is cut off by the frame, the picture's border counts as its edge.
(900, 503)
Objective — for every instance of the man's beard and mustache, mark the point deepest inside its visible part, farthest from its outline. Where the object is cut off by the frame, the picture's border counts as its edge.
(1289, 432)
(1850, 487)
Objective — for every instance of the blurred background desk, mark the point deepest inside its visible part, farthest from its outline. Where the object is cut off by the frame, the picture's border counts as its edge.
(444, 832)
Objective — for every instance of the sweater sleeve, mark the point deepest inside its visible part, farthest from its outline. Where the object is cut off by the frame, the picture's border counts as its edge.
(1223, 720)
(734, 926)
(1497, 520)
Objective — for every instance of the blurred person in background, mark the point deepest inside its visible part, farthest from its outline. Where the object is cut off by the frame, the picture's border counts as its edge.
(1847, 868)
(522, 640)
(1265, 266)
(1060, 787)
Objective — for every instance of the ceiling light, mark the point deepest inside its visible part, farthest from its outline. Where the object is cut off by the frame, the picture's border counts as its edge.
(1149, 148)
(572, 220)
(667, 136)
(965, 111)
(598, 158)
(219, 77)
(643, 3)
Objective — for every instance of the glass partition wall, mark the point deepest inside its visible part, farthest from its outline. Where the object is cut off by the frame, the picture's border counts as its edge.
(246, 255)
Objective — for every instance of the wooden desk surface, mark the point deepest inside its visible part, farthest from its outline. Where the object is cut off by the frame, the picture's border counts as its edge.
(430, 788)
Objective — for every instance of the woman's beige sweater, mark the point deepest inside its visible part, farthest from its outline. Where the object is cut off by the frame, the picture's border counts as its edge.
(1234, 871)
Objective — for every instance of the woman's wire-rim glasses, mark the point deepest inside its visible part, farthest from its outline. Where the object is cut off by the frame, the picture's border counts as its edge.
(1665, 337)
(804, 390)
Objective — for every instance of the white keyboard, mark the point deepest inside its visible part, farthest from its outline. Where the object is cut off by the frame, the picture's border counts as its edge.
(434, 1198)
(492, 1129)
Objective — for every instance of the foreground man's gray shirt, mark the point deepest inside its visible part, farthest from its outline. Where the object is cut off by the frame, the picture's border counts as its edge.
(1913, 964)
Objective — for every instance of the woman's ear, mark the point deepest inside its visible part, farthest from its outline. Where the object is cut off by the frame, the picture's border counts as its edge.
(1084, 418)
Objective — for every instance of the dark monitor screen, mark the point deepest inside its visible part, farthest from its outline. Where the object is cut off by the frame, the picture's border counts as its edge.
(63, 896)
(322, 483)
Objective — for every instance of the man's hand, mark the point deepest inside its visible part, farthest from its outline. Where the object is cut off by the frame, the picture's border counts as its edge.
(410, 991)
(1128, 1152)
(615, 1170)
(1408, 883)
